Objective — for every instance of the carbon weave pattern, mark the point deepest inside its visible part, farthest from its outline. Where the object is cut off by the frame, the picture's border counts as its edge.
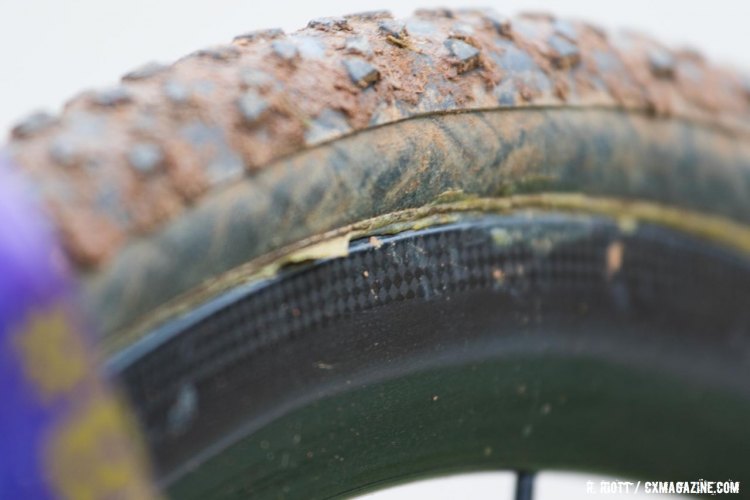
(556, 258)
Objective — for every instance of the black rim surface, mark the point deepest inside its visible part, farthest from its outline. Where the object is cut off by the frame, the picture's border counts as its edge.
(523, 341)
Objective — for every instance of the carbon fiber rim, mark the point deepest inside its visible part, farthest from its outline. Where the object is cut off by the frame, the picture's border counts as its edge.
(526, 341)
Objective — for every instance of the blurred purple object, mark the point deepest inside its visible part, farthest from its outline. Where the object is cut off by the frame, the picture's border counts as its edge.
(63, 434)
(31, 278)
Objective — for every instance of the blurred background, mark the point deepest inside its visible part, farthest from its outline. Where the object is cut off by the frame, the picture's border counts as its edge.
(51, 50)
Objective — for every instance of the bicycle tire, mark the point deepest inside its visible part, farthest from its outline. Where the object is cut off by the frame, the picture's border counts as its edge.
(180, 190)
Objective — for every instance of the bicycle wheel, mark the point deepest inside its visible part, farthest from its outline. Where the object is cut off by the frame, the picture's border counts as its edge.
(374, 250)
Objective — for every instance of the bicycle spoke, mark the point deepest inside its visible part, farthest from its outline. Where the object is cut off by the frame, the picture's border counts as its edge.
(524, 485)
